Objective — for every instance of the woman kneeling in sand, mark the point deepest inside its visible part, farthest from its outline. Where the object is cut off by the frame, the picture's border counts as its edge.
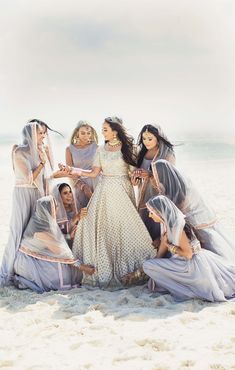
(44, 261)
(191, 272)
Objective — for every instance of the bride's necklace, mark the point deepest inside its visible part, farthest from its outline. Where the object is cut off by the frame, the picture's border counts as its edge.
(114, 143)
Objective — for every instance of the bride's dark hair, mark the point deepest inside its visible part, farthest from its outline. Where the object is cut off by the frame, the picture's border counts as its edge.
(127, 141)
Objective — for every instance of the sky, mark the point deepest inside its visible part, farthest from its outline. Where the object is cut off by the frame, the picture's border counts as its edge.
(169, 62)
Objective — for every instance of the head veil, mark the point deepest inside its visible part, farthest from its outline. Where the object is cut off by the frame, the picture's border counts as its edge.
(62, 217)
(42, 238)
(47, 147)
(26, 159)
(180, 190)
(29, 144)
(169, 181)
(165, 151)
(172, 217)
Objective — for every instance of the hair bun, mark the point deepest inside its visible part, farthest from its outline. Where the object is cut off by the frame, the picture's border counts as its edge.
(114, 119)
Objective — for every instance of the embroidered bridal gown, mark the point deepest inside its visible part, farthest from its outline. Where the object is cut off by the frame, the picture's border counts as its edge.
(112, 237)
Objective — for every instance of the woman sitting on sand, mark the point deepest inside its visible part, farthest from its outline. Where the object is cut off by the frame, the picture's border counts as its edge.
(44, 261)
(201, 217)
(191, 272)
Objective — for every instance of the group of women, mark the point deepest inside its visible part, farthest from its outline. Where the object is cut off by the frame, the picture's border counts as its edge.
(90, 229)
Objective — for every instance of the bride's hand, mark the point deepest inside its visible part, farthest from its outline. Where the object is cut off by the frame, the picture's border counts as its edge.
(142, 173)
(64, 168)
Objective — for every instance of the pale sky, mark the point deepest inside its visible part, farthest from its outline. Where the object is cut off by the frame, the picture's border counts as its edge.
(170, 62)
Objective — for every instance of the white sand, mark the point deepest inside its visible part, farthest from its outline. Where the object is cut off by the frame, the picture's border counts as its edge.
(128, 329)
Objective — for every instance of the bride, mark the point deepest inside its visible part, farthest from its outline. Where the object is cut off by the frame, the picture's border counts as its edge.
(112, 237)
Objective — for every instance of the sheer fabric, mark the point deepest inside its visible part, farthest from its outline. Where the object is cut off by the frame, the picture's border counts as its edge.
(112, 237)
(147, 188)
(25, 194)
(198, 213)
(206, 275)
(164, 151)
(63, 217)
(26, 159)
(173, 218)
(42, 238)
(83, 158)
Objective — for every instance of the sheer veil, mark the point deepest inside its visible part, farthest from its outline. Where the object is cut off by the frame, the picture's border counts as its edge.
(26, 159)
(42, 238)
(172, 217)
(164, 150)
(62, 217)
(180, 190)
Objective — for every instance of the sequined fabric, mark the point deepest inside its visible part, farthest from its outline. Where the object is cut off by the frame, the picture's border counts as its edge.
(112, 237)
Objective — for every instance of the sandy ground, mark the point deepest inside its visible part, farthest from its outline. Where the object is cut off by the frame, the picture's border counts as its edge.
(129, 329)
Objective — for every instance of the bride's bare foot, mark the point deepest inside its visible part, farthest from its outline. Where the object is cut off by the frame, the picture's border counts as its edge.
(89, 270)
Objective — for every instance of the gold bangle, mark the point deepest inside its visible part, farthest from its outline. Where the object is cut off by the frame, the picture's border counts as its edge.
(172, 248)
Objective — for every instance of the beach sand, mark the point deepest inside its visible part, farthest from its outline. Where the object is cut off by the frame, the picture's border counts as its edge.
(128, 329)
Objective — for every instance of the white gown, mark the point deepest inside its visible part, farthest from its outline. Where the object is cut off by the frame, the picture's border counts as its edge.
(112, 237)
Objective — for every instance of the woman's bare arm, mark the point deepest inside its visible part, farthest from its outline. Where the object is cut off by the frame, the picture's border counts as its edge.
(184, 249)
(73, 172)
(163, 248)
(68, 157)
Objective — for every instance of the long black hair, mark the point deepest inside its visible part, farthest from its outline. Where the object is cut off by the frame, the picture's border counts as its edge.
(156, 132)
(189, 231)
(44, 124)
(127, 141)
